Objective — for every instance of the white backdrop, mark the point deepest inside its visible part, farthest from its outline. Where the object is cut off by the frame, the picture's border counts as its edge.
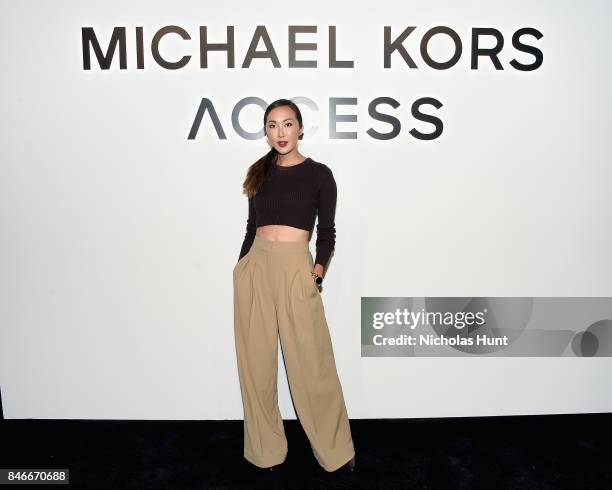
(119, 234)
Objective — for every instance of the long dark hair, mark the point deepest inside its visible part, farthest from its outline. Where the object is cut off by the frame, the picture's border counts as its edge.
(256, 175)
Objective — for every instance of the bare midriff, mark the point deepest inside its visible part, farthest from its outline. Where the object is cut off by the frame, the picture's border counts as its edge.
(282, 233)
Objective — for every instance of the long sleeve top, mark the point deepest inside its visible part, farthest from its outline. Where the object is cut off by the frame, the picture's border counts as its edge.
(294, 196)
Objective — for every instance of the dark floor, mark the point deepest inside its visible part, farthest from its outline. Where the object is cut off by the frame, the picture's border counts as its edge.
(521, 452)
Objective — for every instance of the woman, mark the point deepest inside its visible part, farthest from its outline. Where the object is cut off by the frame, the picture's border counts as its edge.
(276, 292)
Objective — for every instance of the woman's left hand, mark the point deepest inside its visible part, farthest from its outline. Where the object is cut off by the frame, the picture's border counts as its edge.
(318, 269)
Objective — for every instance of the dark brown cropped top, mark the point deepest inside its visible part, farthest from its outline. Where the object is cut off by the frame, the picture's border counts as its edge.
(294, 196)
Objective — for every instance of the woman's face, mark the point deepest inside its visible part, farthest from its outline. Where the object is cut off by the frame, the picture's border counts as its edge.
(282, 126)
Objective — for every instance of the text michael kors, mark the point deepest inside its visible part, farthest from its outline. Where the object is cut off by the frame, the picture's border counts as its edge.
(389, 47)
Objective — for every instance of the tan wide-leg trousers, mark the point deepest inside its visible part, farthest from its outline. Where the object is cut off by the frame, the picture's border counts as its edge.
(274, 294)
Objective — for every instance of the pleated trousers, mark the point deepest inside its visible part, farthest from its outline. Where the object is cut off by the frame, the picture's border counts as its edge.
(274, 294)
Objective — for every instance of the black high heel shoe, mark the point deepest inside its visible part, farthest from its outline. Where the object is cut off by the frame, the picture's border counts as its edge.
(349, 465)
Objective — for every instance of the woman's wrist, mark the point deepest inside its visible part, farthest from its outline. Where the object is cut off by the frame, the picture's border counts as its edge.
(318, 269)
